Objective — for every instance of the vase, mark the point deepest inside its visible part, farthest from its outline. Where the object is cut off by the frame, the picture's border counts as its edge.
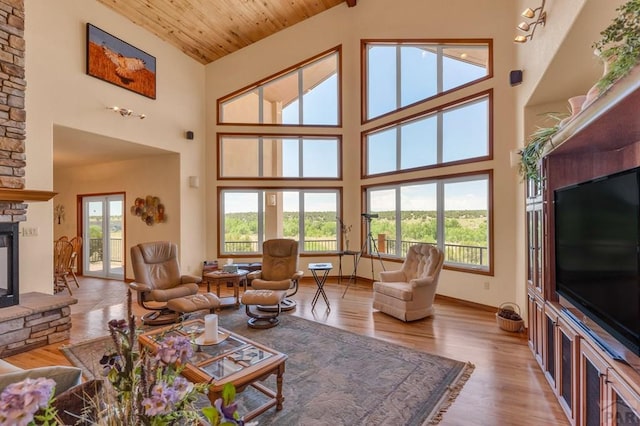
(594, 92)
(575, 103)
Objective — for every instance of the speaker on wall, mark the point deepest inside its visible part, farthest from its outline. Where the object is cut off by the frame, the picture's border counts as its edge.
(515, 77)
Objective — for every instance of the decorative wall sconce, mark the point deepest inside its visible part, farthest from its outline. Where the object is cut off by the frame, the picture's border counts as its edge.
(58, 213)
(531, 26)
(125, 112)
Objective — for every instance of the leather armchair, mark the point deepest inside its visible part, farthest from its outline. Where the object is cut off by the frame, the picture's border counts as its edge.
(158, 280)
(279, 270)
(408, 293)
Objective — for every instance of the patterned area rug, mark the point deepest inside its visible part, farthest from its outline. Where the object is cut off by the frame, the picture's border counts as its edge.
(335, 377)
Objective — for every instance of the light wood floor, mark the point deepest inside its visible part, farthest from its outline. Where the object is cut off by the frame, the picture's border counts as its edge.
(506, 388)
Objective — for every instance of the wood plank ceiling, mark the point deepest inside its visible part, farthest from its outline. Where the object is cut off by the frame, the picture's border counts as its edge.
(207, 30)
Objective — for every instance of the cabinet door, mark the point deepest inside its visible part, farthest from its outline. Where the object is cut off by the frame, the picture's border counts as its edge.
(535, 240)
(622, 401)
(550, 336)
(592, 379)
(535, 312)
(567, 378)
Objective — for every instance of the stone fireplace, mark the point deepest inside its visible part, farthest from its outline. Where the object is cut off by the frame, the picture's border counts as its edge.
(27, 320)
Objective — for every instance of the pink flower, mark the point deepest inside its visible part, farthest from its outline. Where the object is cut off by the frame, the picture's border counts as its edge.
(20, 401)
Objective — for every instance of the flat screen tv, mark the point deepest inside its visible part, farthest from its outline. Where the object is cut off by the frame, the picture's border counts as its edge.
(597, 252)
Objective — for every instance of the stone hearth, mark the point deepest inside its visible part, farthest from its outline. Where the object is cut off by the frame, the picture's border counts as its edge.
(39, 320)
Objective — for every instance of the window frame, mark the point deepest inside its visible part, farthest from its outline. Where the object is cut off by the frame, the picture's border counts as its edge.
(282, 73)
(264, 189)
(364, 90)
(219, 169)
(439, 179)
(440, 109)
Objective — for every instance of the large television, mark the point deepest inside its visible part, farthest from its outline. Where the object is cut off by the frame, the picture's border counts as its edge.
(597, 252)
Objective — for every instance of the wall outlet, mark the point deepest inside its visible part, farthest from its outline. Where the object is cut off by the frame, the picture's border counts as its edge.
(487, 286)
(30, 232)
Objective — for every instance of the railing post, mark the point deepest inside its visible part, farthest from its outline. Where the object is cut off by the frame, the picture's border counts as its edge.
(382, 243)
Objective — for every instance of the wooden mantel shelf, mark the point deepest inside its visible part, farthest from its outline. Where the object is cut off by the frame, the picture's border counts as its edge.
(25, 195)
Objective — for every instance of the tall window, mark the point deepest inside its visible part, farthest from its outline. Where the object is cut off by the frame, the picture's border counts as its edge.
(402, 74)
(452, 213)
(306, 215)
(454, 133)
(278, 156)
(306, 95)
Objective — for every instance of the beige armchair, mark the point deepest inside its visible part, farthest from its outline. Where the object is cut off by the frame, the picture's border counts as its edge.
(158, 280)
(408, 293)
(279, 271)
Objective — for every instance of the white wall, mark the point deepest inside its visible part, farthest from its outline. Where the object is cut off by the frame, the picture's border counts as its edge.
(380, 19)
(59, 92)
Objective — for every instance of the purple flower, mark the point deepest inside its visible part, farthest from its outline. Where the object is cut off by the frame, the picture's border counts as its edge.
(20, 401)
(155, 406)
(118, 324)
(174, 350)
(182, 387)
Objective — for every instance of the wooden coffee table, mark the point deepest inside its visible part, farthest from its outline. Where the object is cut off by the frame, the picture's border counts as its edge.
(221, 277)
(235, 360)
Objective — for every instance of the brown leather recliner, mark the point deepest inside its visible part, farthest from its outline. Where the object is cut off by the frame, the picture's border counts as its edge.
(158, 280)
(279, 270)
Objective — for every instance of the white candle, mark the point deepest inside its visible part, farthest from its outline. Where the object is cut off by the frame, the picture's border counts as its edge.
(210, 328)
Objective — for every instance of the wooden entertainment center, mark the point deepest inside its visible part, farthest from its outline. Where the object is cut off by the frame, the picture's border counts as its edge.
(591, 386)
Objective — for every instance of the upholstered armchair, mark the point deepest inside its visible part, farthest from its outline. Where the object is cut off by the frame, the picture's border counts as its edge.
(158, 280)
(408, 293)
(279, 271)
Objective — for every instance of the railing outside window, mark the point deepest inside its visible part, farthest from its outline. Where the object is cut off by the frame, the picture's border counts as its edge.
(454, 253)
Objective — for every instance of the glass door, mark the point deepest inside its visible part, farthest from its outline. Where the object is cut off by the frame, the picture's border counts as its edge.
(103, 230)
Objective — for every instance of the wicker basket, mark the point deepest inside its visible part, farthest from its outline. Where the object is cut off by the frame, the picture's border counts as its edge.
(509, 324)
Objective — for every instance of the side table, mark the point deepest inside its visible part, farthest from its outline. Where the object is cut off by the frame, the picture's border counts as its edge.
(219, 277)
(355, 259)
(320, 271)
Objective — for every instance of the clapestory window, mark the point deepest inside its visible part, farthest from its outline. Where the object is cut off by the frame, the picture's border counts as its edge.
(257, 156)
(308, 94)
(401, 74)
(454, 133)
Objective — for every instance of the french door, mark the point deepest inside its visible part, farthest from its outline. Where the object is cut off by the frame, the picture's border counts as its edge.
(103, 231)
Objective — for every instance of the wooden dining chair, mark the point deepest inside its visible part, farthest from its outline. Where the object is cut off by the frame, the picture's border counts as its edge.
(62, 251)
(76, 243)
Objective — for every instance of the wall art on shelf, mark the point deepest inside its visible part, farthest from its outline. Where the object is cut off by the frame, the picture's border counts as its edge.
(149, 209)
(117, 62)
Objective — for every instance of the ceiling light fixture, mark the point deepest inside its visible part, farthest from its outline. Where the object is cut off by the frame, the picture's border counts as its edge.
(531, 26)
(125, 112)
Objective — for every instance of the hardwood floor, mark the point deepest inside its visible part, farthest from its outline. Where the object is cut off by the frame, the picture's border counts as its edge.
(506, 388)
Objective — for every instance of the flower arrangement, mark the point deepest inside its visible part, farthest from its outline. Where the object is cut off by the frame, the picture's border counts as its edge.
(146, 389)
(28, 402)
(149, 389)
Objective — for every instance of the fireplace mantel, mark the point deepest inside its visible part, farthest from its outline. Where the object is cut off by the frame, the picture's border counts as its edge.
(25, 195)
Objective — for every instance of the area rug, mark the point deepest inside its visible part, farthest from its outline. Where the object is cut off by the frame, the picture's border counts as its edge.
(335, 377)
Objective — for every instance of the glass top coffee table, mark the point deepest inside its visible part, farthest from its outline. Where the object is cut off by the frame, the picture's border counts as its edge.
(235, 359)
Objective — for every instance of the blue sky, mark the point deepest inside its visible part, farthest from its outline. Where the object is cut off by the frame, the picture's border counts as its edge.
(418, 143)
(100, 37)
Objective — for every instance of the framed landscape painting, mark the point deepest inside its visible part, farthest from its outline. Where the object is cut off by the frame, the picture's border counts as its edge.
(117, 62)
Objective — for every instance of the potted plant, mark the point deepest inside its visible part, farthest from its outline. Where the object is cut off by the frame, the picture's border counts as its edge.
(531, 153)
(620, 44)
